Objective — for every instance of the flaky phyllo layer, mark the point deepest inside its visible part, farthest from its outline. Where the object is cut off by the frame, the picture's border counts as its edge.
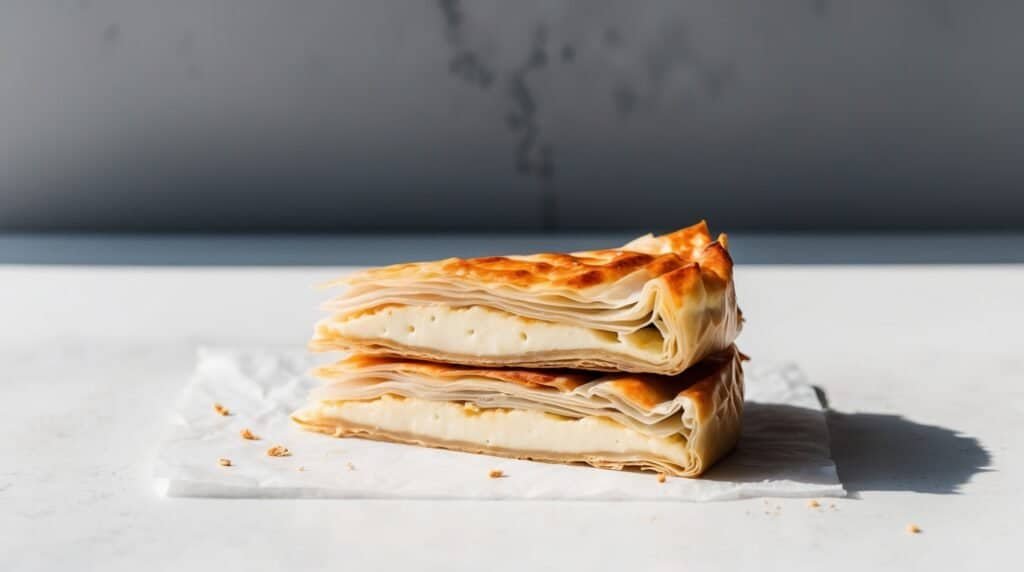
(678, 425)
(657, 305)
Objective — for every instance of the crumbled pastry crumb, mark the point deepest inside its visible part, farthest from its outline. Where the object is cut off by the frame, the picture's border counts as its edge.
(248, 435)
(300, 468)
(471, 408)
(350, 466)
(278, 451)
(813, 503)
(496, 474)
(661, 477)
(224, 462)
(221, 410)
(913, 529)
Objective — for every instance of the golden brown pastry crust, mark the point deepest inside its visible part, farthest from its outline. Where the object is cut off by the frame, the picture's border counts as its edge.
(563, 380)
(668, 255)
(680, 283)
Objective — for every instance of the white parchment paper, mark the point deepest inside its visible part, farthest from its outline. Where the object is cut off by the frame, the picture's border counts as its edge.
(784, 450)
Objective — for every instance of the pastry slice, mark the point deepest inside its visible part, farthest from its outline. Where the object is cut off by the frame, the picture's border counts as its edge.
(678, 425)
(656, 305)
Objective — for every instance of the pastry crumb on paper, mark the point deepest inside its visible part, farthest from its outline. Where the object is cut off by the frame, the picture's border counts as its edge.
(496, 474)
(661, 477)
(278, 451)
(221, 410)
(913, 529)
(224, 462)
(813, 503)
(248, 435)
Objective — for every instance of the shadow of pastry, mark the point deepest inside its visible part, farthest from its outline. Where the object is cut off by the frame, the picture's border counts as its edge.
(870, 451)
(779, 442)
(883, 452)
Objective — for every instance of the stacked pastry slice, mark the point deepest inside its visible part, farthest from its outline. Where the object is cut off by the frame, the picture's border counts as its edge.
(475, 355)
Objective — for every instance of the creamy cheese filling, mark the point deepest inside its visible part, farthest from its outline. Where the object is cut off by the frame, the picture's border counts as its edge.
(508, 429)
(480, 331)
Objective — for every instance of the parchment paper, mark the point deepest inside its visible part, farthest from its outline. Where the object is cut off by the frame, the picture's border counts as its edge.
(784, 450)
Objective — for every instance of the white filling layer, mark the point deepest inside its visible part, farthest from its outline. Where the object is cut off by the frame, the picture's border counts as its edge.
(480, 331)
(509, 429)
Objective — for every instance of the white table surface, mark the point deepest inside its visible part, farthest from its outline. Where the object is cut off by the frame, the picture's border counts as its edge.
(923, 367)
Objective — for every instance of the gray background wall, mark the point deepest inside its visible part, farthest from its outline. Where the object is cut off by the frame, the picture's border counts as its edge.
(384, 114)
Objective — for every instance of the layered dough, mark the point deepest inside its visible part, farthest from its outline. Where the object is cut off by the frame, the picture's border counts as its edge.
(481, 332)
(679, 425)
(656, 305)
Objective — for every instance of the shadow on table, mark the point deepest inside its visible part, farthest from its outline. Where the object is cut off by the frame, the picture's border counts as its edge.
(881, 452)
(871, 451)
